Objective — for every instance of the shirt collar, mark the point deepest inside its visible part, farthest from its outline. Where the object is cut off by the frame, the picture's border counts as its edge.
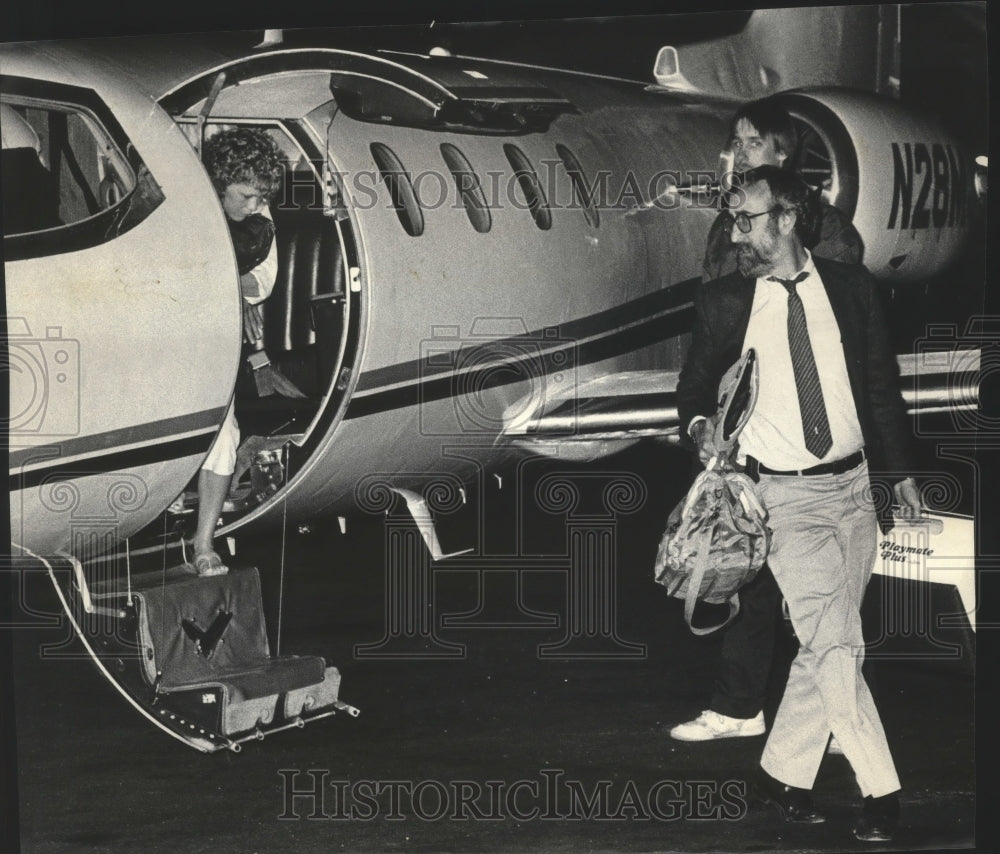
(808, 267)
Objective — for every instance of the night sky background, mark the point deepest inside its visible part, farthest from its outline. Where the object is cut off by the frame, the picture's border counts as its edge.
(944, 58)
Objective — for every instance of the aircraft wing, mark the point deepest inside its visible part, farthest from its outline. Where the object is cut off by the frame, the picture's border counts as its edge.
(604, 414)
(596, 416)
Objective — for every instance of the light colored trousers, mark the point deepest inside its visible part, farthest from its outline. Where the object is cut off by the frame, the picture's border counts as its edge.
(822, 555)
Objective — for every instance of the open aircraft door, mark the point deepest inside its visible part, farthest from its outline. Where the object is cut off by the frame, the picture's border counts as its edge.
(313, 317)
(350, 265)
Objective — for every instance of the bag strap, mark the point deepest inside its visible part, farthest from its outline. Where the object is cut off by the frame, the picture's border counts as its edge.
(694, 586)
(748, 497)
(734, 609)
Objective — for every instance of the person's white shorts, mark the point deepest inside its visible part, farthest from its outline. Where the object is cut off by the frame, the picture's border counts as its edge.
(221, 457)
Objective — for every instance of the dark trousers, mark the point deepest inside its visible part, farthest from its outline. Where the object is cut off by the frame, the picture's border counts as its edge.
(748, 649)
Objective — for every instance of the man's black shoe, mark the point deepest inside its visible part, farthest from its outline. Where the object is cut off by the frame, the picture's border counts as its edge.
(792, 803)
(879, 819)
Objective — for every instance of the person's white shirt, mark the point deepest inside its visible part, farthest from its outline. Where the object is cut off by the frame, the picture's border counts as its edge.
(773, 433)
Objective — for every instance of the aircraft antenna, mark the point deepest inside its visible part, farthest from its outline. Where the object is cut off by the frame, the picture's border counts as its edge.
(163, 583)
(128, 571)
(271, 38)
(206, 109)
(281, 572)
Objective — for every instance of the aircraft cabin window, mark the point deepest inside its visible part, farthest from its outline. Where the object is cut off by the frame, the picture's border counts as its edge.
(469, 188)
(397, 181)
(84, 172)
(583, 194)
(527, 178)
(67, 185)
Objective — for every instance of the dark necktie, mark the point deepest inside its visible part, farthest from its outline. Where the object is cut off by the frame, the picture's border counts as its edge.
(815, 426)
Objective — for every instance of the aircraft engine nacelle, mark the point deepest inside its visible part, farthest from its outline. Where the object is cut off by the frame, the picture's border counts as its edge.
(903, 178)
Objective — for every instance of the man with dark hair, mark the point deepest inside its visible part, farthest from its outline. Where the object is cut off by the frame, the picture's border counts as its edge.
(761, 134)
(828, 403)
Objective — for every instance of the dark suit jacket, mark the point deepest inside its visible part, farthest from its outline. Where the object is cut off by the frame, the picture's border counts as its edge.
(722, 314)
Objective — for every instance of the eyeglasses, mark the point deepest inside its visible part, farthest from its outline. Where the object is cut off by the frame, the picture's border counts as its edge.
(742, 220)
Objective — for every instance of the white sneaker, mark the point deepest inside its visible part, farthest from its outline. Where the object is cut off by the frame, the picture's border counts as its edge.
(709, 725)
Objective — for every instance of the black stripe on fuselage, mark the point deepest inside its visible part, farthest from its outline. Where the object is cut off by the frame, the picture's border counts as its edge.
(104, 452)
(475, 367)
(112, 441)
(113, 461)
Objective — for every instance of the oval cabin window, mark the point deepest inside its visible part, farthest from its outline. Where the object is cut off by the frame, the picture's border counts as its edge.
(469, 188)
(397, 181)
(583, 194)
(528, 181)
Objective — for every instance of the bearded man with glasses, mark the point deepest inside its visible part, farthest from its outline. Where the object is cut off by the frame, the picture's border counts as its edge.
(829, 403)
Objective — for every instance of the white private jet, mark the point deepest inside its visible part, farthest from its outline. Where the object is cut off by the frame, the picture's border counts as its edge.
(472, 253)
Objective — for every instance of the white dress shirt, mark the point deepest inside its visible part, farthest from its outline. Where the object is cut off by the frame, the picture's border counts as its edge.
(773, 434)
